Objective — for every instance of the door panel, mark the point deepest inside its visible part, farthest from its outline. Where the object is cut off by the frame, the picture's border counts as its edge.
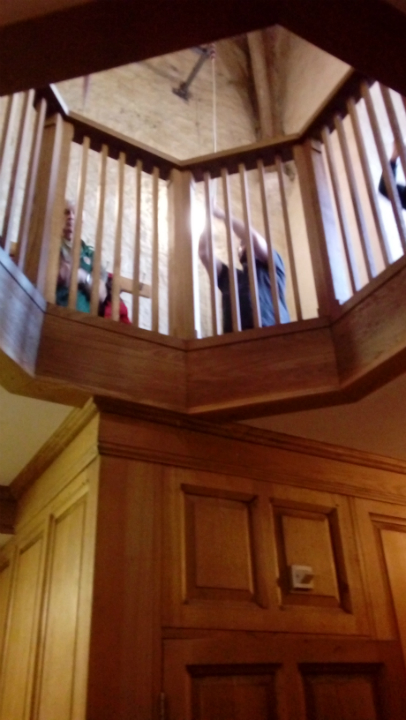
(349, 693)
(266, 676)
(233, 693)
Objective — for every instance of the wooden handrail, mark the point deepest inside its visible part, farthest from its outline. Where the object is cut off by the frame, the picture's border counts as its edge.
(101, 135)
(282, 146)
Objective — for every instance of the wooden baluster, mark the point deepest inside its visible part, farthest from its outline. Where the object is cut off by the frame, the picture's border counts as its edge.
(369, 182)
(183, 269)
(96, 273)
(252, 270)
(155, 252)
(76, 245)
(271, 260)
(44, 240)
(22, 241)
(19, 163)
(6, 145)
(234, 296)
(115, 291)
(356, 201)
(394, 123)
(137, 244)
(386, 169)
(329, 269)
(215, 314)
(288, 235)
(342, 217)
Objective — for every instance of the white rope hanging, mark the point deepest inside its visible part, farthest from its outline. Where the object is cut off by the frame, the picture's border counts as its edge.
(214, 89)
(214, 112)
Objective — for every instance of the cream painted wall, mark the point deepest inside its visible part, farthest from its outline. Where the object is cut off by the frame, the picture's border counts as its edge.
(25, 425)
(375, 424)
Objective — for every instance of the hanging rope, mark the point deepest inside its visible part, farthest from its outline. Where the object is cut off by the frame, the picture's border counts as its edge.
(214, 89)
(86, 86)
(214, 117)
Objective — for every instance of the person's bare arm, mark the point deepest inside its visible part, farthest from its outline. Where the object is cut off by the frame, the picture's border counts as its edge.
(85, 279)
(204, 252)
(395, 152)
(258, 242)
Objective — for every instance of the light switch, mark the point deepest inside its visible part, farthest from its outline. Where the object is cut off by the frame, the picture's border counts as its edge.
(301, 577)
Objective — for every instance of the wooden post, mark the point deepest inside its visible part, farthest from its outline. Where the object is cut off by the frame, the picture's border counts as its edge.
(183, 285)
(330, 274)
(47, 220)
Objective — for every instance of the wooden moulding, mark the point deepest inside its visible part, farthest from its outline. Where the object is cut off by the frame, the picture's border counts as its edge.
(243, 451)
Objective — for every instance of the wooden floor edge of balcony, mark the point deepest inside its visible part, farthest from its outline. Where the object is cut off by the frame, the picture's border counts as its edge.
(56, 354)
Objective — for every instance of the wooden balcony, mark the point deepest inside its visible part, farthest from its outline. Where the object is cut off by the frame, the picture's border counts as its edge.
(352, 342)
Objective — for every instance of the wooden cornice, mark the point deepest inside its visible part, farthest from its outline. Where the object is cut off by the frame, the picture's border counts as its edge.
(367, 34)
(245, 433)
(240, 451)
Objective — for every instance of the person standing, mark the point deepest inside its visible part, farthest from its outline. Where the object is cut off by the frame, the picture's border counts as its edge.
(260, 249)
(85, 267)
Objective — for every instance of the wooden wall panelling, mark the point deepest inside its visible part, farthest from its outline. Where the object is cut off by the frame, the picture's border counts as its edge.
(46, 651)
(124, 665)
(22, 636)
(317, 529)
(85, 596)
(220, 547)
(215, 555)
(57, 675)
(6, 572)
(343, 667)
(381, 535)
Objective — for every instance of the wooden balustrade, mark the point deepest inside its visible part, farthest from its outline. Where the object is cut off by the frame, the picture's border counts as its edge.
(316, 206)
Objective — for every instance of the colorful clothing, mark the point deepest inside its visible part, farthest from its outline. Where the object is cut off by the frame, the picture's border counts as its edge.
(85, 263)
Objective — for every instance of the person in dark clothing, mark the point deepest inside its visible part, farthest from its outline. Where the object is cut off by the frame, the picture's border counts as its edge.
(393, 161)
(263, 281)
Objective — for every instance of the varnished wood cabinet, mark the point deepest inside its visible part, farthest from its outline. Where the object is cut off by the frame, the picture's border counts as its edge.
(150, 577)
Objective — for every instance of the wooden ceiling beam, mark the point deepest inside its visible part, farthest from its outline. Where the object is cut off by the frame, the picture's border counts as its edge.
(263, 90)
(367, 34)
(104, 34)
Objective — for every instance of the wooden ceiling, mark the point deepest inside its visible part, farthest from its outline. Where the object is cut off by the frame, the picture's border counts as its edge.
(12, 11)
(93, 36)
